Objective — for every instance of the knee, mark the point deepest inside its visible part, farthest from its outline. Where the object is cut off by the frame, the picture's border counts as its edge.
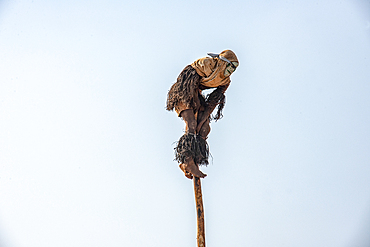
(204, 131)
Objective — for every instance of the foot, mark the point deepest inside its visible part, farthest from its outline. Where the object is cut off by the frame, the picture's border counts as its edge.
(192, 168)
(187, 174)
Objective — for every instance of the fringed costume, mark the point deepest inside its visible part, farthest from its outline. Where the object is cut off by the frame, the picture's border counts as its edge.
(186, 93)
(191, 145)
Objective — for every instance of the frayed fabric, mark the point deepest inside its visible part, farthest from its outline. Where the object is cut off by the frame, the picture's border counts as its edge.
(192, 146)
(185, 94)
(185, 90)
(217, 97)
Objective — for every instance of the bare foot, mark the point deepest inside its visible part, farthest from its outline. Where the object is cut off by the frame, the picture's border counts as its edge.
(191, 167)
(187, 174)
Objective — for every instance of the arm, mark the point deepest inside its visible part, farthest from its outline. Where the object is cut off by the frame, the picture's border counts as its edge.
(213, 99)
(203, 117)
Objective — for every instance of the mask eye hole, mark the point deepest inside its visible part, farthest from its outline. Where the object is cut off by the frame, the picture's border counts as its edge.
(234, 65)
(230, 68)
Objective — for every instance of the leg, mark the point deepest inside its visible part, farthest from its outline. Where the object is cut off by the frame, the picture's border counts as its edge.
(189, 167)
(186, 173)
(189, 119)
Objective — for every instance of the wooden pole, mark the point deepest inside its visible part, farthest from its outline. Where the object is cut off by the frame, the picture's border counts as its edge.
(201, 238)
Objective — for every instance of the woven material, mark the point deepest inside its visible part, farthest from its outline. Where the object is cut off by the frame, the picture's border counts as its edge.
(212, 69)
(192, 146)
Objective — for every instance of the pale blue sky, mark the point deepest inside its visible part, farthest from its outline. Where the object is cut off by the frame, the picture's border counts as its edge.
(86, 146)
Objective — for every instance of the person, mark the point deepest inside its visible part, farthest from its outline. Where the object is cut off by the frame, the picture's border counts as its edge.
(186, 98)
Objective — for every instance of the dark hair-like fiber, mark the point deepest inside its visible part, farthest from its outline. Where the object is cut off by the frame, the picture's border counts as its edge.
(184, 89)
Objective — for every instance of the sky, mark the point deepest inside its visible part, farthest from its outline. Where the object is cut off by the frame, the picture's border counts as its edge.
(86, 145)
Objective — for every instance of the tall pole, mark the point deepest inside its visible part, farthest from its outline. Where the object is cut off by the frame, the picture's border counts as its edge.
(201, 238)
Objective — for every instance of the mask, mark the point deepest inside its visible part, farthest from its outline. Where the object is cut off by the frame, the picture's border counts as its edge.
(230, 69)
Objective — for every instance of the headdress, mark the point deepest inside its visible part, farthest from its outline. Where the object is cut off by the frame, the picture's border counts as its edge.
(212, 68)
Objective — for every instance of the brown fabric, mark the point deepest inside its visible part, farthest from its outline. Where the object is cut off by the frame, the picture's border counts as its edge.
(204, 73)
(183, 94)
(200, 105)
(229, 55)
(212, 69)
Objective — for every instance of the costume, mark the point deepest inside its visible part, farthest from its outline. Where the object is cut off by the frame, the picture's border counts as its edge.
(186, 93)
